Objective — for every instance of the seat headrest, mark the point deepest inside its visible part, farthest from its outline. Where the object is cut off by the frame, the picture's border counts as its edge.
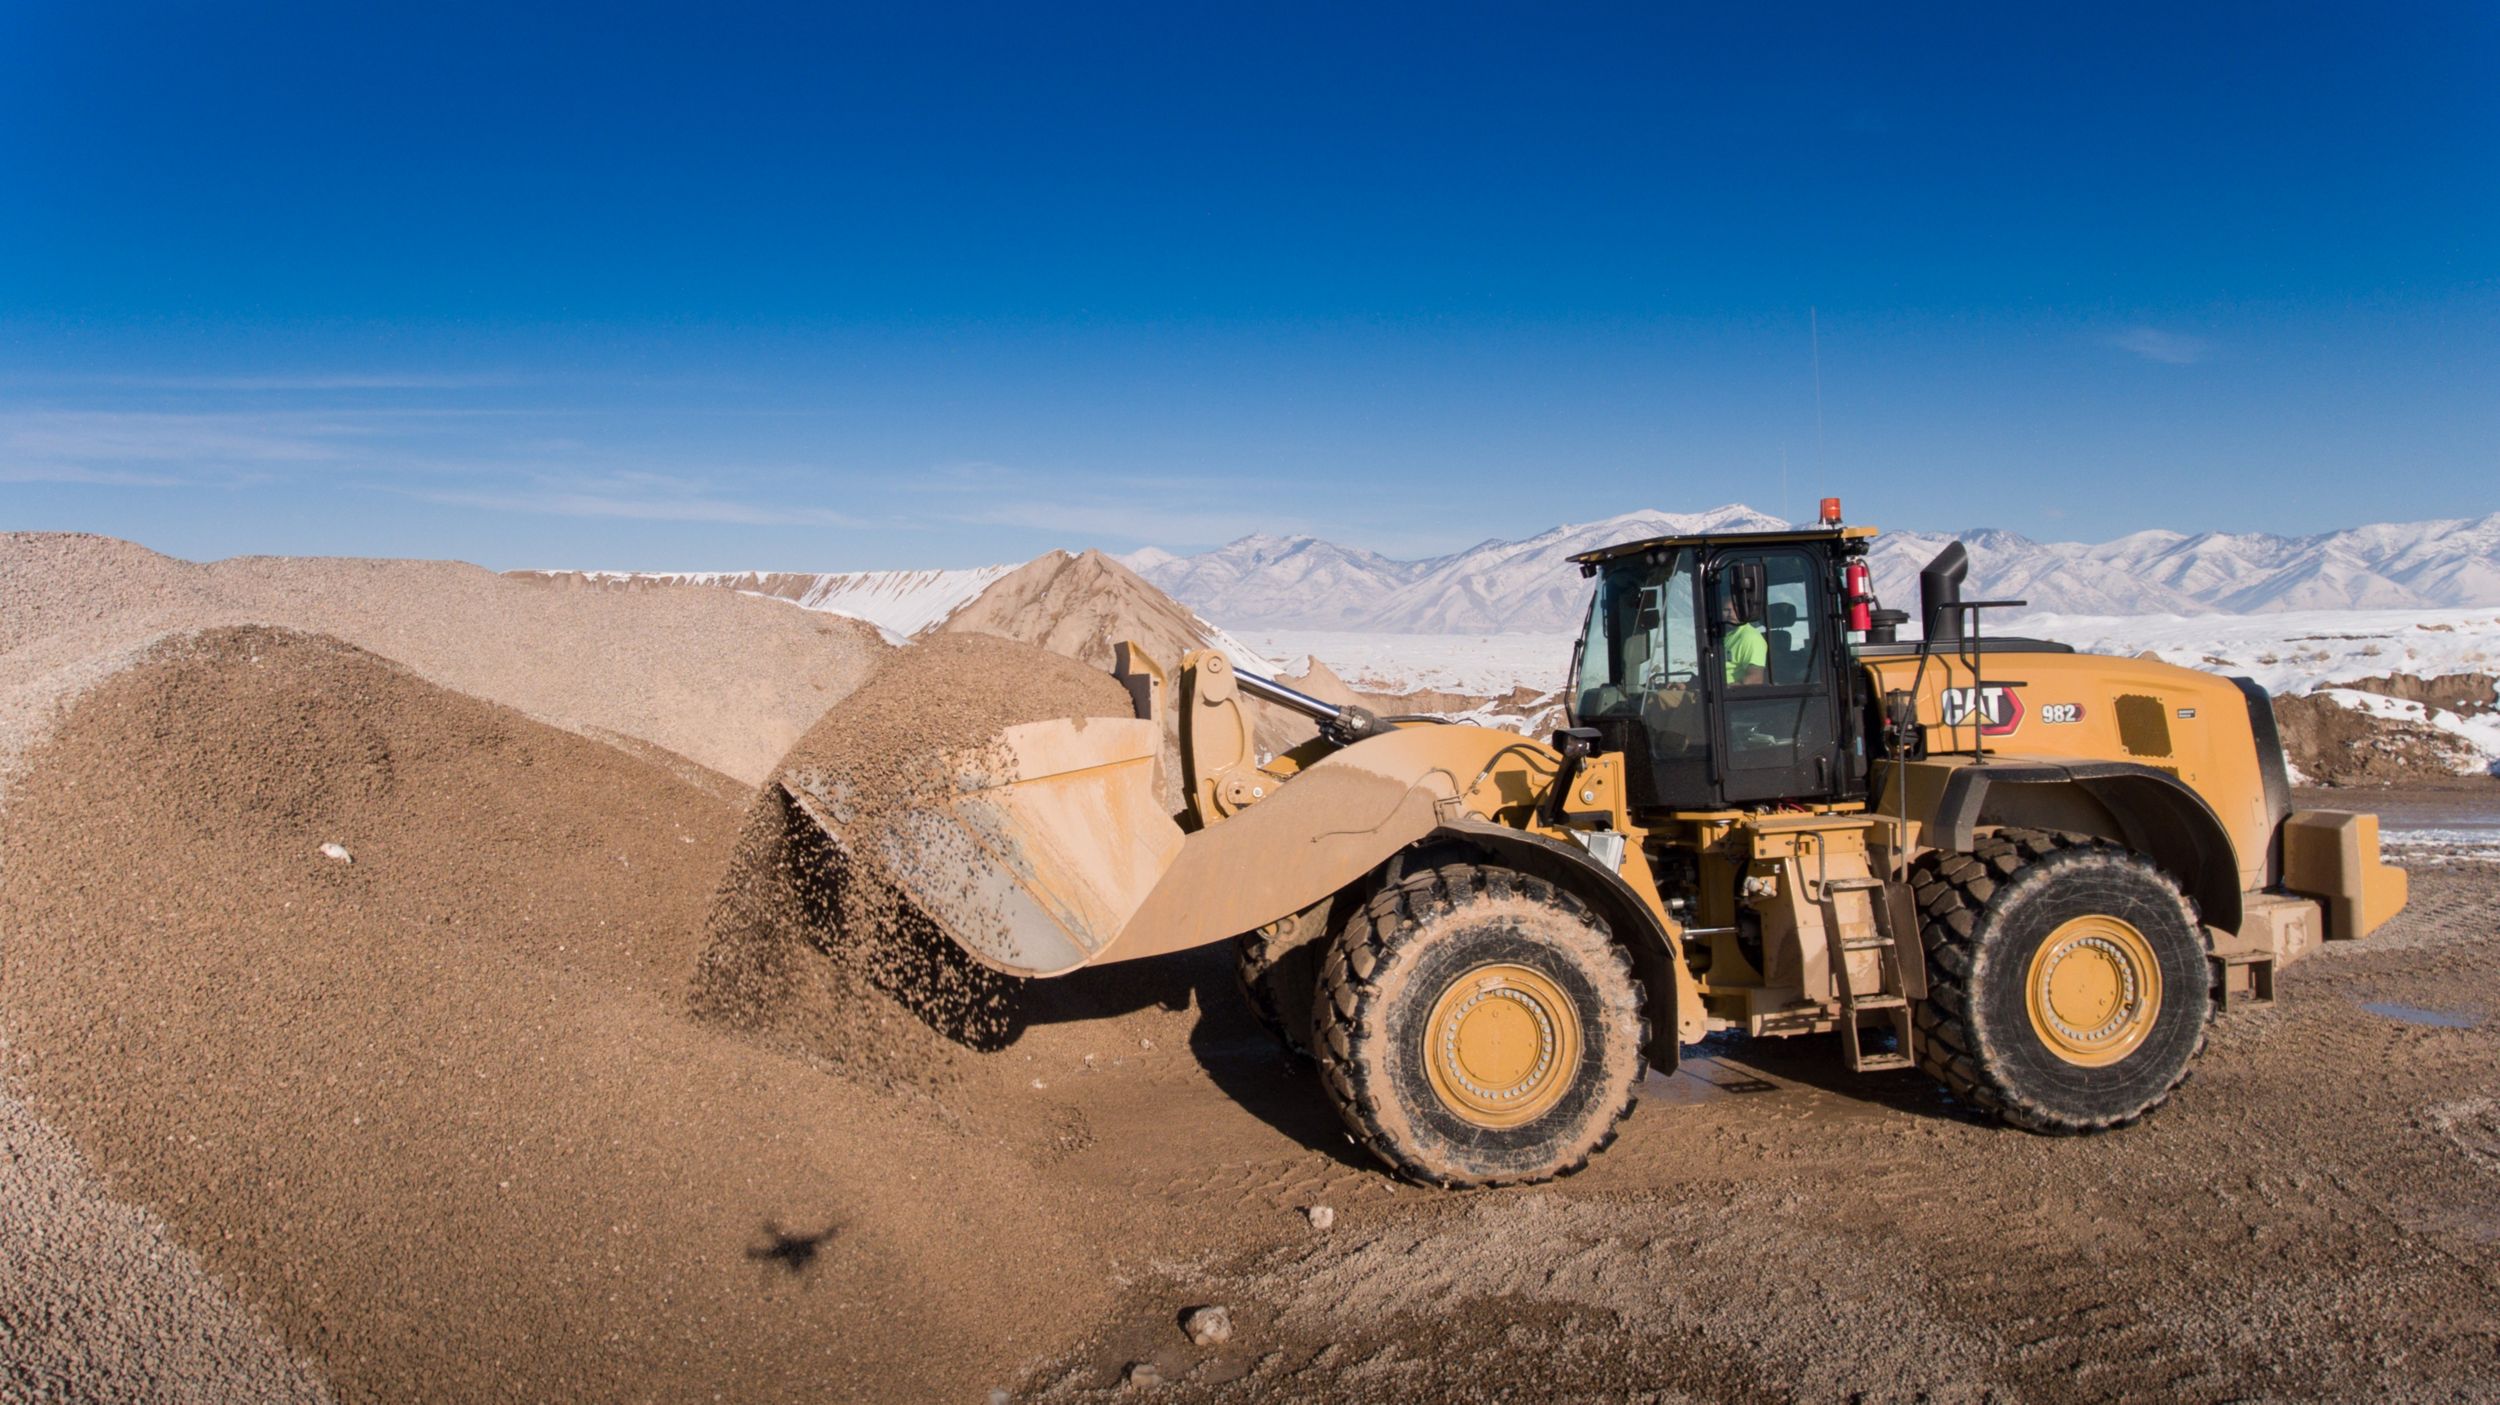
(1783, 614)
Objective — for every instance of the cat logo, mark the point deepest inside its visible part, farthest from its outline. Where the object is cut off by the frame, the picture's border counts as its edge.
(1998, 710)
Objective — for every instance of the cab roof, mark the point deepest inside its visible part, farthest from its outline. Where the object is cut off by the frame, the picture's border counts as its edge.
(1793, 534)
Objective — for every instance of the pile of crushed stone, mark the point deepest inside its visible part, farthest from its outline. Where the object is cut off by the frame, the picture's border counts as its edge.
(98, 1303)
(435, 1110)
(816, 949)
(1083, 606)
(727, 680)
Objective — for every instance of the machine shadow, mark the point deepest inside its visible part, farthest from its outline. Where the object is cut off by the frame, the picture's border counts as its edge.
(1817, 1062)
(1281, 1089)
(1245, 1062)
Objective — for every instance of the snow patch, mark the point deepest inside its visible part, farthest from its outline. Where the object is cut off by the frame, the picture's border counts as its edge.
(2294, 651)
(1478, 665)
(899, 603)
(2482, 734)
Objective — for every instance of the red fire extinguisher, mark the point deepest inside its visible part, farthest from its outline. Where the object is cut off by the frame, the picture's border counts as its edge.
(1861, 590)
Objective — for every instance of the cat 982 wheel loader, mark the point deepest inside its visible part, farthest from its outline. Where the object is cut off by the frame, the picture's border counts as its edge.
(2033, 873)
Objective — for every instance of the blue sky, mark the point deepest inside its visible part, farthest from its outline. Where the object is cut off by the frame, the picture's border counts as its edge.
(835, 287)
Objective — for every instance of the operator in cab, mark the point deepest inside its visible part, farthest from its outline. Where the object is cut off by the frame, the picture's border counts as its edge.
(1745, 647)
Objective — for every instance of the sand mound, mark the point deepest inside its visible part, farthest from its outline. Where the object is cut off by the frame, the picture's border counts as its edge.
(1082, 606)
(889, 740)
(725, 679)
(820, 952)
(437, 1112)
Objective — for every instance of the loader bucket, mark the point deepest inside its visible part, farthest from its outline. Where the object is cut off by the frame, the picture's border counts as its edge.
(1034, 860)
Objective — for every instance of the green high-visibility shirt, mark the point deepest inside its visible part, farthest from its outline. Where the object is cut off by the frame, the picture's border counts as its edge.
(1746, 648)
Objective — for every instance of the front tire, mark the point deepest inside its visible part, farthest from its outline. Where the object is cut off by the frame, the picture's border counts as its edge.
(1476, 1026)
(1277, 980)
(2068, 989)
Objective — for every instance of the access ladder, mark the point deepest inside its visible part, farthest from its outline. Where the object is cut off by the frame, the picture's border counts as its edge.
(1895, 984)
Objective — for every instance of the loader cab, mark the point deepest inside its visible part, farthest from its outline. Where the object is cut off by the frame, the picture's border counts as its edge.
(1718, 666)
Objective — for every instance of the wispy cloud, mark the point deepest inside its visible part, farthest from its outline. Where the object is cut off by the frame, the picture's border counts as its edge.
(2169, 348)
(648, 497)
(414, 452)
(305, 382)
(121, 436)
(93, 477)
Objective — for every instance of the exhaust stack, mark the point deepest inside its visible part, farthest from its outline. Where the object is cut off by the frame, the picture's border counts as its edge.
(1940, 594)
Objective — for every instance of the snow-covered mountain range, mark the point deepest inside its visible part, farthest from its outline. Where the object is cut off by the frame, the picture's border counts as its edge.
(1529, 586)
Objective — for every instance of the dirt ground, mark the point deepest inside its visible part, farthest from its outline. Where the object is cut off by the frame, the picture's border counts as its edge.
(2316, 1216)
(449, 1122)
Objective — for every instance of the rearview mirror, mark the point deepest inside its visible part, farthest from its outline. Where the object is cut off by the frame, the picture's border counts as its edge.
(1745, 582)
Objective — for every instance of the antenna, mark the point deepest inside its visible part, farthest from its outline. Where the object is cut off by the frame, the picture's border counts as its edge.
(1814, 333)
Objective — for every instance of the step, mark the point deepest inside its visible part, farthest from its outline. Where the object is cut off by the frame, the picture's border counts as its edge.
(1884, 1063)
(1873, 1002)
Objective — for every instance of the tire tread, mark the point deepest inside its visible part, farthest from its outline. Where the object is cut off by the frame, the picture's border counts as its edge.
(1347, 998)
(1953, 891)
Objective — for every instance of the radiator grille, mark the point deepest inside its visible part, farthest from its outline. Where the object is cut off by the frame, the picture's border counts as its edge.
(2143, 725)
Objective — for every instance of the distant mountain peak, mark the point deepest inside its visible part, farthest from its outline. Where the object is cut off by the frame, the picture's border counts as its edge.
(1146, 558)
(1528, 584)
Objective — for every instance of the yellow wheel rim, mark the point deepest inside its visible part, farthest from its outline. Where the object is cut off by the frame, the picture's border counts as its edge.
(2094, 990)
(1502, 1045)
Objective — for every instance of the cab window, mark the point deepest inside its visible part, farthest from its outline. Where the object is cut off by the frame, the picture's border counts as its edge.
(1764, 609)
(1641, 636)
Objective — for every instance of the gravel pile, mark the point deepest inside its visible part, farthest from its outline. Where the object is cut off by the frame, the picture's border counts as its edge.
(98, 1303)
(439, 1113)
(727, 680)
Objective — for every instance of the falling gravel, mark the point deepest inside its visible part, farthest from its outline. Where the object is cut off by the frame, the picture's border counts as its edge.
(815, 947)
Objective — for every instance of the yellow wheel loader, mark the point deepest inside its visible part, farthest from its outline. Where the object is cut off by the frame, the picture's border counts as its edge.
(2033, 873)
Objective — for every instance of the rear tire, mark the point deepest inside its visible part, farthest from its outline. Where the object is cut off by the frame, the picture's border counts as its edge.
(1476, 1026)
(2067, 985)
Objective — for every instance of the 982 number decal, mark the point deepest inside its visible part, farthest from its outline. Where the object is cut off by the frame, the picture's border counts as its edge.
(2061, 712)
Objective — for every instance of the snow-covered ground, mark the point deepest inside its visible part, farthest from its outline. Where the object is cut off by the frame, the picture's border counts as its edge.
(2296, 651)
(2287, 652)
(2290, 652)
(2446, 844)
(1481, 665)
(2481, 733)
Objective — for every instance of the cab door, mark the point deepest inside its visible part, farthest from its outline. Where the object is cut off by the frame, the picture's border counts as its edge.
(1773, 664)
